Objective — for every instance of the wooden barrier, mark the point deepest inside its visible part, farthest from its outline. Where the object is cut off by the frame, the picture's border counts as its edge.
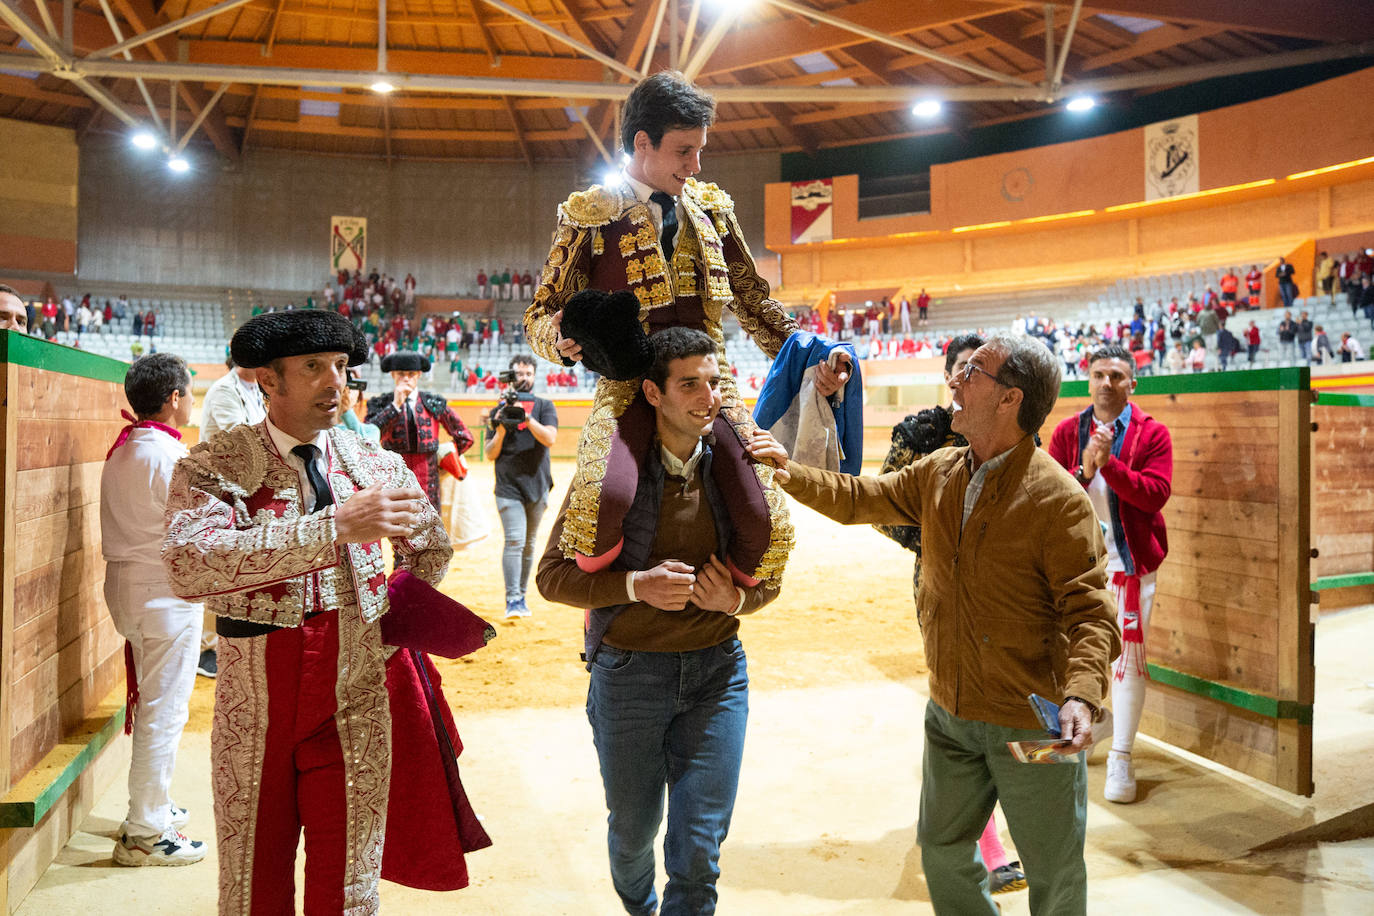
(1230, 640)
(61, 660)
(1342, 501)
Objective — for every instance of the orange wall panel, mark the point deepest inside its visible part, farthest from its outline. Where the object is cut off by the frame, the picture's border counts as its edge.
(858, 265)
(1051, 246)
(1352, 203)
(1287, 215)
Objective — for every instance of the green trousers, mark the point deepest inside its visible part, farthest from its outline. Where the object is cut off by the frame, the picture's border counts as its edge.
(966, 770)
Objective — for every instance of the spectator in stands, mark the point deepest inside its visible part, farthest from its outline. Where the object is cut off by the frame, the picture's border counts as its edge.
(1305, 337)
(51, 311)
(1230, 287)
(107, 313)
(923, 306)
(410, 290)
(353, 407)
(482, 284)
(1177, 358)
(1363, 293)
(1252, 341)
(1124, 459)
(135, 350)
(13, 315)
(904, 313)
(1209, 323)
(83, 316)
(1350, 348)
(163, 631)
(527, 286)
(1158, 344)
(871, 322)
(1197, 357)
(1288, 332)
(505, 283)
(1321, 347)
(1288, 285)
(1227, 346)
(1326, 275)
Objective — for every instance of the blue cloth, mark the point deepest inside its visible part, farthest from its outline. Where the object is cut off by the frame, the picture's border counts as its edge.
(799, 352)
(674, 719)
(368, 431)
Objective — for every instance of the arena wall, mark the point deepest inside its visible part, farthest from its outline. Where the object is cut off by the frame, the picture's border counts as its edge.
(38, 198)
(61, 660)
(264, 224)
(953, 248)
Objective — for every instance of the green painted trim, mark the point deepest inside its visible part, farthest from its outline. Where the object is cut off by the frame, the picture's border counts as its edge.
(29, 813)
(1234, 696)
(1338, 399)
(1344, 581)
(54, 357)
(1289, 379)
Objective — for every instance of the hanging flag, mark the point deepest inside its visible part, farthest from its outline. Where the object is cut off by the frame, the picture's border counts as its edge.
(347, 243)
(812, 218)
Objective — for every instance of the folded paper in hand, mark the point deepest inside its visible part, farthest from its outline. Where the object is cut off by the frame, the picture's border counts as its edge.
(423, 618)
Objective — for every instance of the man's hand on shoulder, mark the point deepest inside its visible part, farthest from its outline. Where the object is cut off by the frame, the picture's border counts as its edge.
(374, 513)
(667, 586)
(763, 447)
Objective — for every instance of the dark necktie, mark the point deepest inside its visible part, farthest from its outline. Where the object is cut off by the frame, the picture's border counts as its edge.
(309, 454)
(412, 431)
(669, 208)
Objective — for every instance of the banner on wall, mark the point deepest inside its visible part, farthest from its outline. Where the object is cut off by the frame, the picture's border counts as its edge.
(812, 218)
(347, 243)
(1171, 158)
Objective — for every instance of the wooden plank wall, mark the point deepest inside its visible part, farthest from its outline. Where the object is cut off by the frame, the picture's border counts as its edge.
(59, 652)
(1342, 497)
(1227, 604)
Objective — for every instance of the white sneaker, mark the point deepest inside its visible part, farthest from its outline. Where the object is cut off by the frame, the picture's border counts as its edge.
(172, 848)
(1120, 785)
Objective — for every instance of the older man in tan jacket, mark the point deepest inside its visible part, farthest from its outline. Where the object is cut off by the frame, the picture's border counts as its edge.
(1013, 601)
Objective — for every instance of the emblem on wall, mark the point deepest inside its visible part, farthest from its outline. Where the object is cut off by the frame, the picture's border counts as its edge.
(1016, 184)
(812, 215)
(1171, 158)
(347, 243)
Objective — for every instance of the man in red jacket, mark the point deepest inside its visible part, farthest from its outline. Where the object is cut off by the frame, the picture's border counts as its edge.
(1124, 458)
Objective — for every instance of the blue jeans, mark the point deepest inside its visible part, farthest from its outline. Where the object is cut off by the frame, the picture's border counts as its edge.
(521, 523)
(674, 719)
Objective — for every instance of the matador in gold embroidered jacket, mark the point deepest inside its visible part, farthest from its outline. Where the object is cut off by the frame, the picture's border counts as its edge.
(606, 239)
(302, 728)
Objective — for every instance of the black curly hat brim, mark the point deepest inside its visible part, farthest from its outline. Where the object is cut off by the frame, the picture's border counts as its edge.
(607, 327)
(299, 332)
(405, 361)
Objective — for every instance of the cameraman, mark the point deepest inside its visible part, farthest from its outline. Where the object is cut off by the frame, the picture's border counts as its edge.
(523, 427)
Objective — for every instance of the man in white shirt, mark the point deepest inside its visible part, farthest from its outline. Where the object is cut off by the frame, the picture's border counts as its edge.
(233, 400)
(163, 630)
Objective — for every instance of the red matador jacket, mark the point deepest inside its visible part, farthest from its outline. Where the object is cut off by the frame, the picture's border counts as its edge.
(239, 540)
(606, 240)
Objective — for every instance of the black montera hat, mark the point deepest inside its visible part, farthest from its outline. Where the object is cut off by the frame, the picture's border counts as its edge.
(607, 327)
(273, 335)
(405, 361)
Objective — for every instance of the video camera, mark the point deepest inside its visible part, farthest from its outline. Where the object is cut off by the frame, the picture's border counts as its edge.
(508, 410)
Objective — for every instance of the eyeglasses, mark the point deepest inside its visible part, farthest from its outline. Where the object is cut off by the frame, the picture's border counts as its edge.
(970, 368)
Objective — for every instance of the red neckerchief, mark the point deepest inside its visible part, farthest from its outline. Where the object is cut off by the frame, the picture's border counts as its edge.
(135, 423)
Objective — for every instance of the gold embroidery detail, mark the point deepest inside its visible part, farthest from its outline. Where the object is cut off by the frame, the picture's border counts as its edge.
(598, 243)
(593, 448)
(634, 270)
(629, 243)
(238, 738)
(364, 723)
(593, 207)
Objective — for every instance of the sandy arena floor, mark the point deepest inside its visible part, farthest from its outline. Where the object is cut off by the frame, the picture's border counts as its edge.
(825, 822)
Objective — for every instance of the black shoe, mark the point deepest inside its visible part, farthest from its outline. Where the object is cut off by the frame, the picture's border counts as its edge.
(208, 666)
(1007, 878)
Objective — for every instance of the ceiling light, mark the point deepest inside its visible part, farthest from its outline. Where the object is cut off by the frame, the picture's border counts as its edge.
(383, 87)
(143, 140)
(1080, 103)
(927, 108)
(178, 164)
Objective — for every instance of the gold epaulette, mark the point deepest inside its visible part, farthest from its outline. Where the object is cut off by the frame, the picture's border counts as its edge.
(593, 207)
(708, 196)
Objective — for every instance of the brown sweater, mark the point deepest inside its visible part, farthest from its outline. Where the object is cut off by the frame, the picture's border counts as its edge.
(685, 532)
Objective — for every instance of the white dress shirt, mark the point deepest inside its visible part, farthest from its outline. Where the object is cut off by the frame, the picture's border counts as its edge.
(133, 495)
(285, 442)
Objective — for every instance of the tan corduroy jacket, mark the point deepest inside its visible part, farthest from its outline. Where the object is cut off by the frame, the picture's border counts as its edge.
(1016, 603)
